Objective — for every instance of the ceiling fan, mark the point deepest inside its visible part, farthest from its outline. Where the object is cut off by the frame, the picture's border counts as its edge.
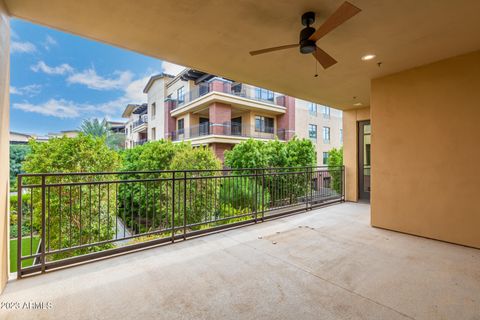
(309, 36)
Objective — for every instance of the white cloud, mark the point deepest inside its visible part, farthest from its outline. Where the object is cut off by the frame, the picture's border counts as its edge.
(57, 108)
(92, 80)
(171, 68)
(43, 67)
(49, 42)
(30, 90)
(134, 90)
(22, 47)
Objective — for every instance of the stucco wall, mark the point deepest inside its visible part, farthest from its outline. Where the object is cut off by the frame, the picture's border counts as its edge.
(156, 95)
(303, 118)
(425, 150)
(4, 143)
(350, 150)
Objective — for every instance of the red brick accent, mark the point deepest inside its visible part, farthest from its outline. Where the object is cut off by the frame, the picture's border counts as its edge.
(220, 86)
(220, 148)
(169, 121)
(219, 115)
(286, 121)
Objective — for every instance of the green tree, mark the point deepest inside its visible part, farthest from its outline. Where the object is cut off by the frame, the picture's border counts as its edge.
(18, 153)
(277, 157)
(97, 128)
(199, 188)
(249, 154)
(75, 213)
(138, 198)
(335, 163)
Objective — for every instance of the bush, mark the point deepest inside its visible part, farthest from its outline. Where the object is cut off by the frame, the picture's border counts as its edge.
(18, 153)
(201, 194)
(283, 189)
(272, 154)
(335, 161)
(241, 192)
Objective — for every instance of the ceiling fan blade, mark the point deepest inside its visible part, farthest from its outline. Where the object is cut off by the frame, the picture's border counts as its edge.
(343, 13)
(288, 46)
(324, 58)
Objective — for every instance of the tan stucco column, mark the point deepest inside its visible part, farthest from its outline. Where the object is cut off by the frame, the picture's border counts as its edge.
(4, 140)
(350, 149)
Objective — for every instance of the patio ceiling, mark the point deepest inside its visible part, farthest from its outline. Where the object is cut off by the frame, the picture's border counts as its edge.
(215, 37)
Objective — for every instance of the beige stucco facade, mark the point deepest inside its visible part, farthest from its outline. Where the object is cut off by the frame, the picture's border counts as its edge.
(4, 141)
(332, 120)
(425, 153)
(350, 149)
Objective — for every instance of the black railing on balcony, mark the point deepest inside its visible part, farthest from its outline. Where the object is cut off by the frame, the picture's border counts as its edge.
(140, 121)
(140, 142)
(77, 217)
(226, 129)
(239, 91)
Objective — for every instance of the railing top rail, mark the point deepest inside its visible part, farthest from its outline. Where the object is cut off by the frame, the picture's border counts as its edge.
(167, 171)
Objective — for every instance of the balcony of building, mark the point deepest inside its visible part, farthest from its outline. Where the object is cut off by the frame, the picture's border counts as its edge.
(225, 123)
(229, 132)
(325, 264)
(223, 91)
(141, 124)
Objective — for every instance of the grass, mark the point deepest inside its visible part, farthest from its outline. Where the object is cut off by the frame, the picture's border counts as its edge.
(25, 251)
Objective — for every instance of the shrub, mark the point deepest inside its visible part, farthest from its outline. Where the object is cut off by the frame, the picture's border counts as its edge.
(335, 161)
(243, 193)
(272, 154)
(18, 153)
(137, 198)
(283, 189)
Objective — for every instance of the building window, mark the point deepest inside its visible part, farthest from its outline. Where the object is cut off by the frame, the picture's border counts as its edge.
(263, 94)
(181, 95)
(180, 126)
(153, 111)
(312, 109)
(326, 135)
(325, 158)
(312, 131)
(264, 124)
(154, 134)
(326, 112)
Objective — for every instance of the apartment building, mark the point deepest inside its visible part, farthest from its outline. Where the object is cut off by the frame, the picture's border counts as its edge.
(208, 110)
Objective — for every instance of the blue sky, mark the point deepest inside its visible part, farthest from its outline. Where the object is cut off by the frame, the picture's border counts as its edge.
(58, 79)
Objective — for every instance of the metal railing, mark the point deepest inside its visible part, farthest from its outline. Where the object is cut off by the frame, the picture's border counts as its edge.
(226, 129)
(142, 120)
(140, 142)
(202, 89)
(77, 217)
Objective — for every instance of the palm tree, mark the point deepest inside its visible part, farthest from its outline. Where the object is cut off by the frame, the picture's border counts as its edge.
(97, 128)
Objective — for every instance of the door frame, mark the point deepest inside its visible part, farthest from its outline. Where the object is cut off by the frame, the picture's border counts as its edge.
(362, 195)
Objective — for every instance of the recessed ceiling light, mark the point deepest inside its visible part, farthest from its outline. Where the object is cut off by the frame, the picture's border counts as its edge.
(357, 104)
(368, 57)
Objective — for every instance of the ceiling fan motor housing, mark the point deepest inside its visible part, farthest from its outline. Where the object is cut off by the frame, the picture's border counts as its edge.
(307, 46)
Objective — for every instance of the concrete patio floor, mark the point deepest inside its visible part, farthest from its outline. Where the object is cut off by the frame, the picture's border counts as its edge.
(336, 268)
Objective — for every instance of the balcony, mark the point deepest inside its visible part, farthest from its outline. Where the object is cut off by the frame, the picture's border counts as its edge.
(242, 95)
(140, 124)
(325, 264)
(235, 131)
(140, 142)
